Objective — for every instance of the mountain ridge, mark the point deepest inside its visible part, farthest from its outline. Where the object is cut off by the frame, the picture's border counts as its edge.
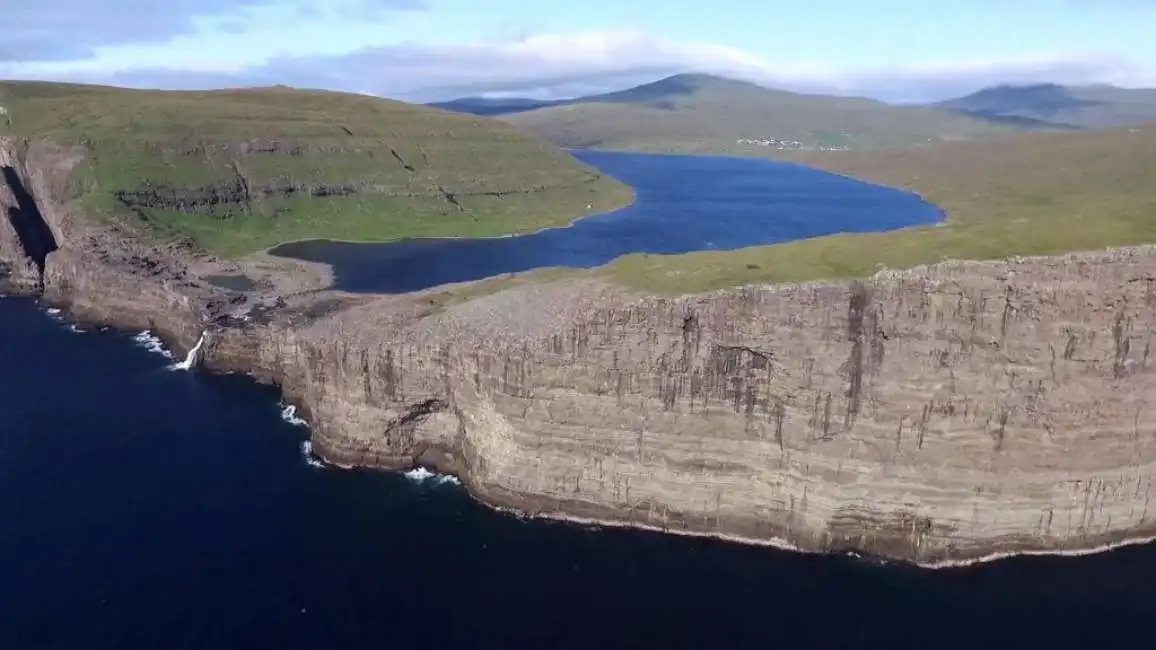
(707, 113)
(703, 113)
(1068, 106)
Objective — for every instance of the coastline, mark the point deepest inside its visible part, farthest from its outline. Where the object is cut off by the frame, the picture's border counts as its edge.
(784, 545)
(518, 392)
(531, 513)
(775, 543)
(174, 342)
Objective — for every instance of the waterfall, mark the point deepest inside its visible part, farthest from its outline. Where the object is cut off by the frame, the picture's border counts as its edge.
(194, 355)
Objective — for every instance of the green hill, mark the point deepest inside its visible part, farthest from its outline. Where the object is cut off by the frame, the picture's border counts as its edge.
(237, 171)
(1074, 106)
(708, 114)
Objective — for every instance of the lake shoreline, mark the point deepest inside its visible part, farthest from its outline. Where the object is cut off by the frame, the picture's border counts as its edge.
(755, 203)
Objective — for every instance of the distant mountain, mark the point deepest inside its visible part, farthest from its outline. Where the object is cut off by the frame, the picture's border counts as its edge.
(1085, 107)
(488, 106)
(671, 93)
(659, 94)
(700, 113)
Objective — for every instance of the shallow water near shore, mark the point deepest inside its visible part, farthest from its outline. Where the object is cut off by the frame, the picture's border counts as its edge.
(684, 203)
(147, 507)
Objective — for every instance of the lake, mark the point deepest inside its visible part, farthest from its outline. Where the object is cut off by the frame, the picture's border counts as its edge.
(684, 203)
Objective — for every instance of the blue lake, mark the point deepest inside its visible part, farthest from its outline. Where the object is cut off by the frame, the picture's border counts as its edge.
(684, 203)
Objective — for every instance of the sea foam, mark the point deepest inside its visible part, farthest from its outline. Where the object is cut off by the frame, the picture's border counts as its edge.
(423, 475)
(152, 343)
(289, 414)
(307, 455)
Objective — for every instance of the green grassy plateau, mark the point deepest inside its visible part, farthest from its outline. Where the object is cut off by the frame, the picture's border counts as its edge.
(1031, 194)
(238, 171)
(694, 113)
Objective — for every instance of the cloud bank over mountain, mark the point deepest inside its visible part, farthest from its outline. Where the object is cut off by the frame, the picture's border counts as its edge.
(186, 44)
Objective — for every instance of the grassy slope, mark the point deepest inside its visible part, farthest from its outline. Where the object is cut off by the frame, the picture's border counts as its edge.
(704, 114)
(1026, 195)
(288, 146)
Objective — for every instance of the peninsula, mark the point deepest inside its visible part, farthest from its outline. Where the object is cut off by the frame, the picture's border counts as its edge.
(865, 393)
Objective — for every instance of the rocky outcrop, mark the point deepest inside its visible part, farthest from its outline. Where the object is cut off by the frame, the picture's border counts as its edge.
(944, 413)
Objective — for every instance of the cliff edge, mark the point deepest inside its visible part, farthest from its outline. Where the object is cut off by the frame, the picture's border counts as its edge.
(949, 412)
(944, 413)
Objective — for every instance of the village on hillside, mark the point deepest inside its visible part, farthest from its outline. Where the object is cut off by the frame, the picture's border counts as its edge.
(789, 145)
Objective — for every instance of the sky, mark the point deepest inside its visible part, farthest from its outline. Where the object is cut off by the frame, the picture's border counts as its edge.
(428, 50)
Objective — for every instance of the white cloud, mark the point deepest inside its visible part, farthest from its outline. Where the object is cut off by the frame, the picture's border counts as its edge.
(585, 62)
(69, 30)
(938, 80)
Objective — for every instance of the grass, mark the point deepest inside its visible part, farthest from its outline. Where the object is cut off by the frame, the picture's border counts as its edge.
(238, 171)
(1032, 194)
(706, 114)
(464, 292)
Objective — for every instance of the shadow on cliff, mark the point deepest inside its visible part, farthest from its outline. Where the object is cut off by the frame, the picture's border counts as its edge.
(35, 236)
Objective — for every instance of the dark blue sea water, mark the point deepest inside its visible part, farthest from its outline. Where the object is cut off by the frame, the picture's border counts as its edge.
(684, 203)
(148, 508)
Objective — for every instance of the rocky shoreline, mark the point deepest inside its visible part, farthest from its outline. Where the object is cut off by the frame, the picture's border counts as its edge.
(945, 414)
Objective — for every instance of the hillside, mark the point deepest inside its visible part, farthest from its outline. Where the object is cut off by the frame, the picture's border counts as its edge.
(708, 114)
(238, 171)
(1031, 194)
(1073, 106)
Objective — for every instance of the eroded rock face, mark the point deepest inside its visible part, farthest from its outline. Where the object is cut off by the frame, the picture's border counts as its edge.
(18, 270)
(947, 412)
(944, 413)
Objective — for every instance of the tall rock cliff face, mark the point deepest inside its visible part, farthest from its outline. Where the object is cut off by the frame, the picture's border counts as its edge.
(50, 246)
(943, 413)
(948, 412)
(21, 227)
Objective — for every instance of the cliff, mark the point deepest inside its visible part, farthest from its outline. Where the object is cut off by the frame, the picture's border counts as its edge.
(949, 412)
(946, 413)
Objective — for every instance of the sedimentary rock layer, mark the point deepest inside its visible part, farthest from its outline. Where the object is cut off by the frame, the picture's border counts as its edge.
(942, 413)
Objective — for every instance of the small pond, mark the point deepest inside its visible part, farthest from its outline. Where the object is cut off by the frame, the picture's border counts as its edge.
(231, 281)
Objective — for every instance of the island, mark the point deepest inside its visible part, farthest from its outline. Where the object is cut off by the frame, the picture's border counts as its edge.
(937, 395)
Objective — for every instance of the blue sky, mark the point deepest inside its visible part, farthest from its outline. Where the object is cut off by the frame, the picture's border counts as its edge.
(421, 50)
